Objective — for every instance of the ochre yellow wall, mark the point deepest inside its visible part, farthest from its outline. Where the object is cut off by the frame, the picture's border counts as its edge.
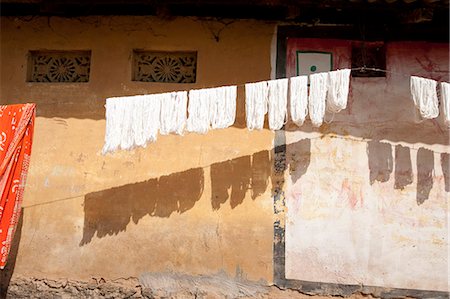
(160, 216)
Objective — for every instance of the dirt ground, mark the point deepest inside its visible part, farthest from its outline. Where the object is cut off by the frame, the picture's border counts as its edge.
(20, 287)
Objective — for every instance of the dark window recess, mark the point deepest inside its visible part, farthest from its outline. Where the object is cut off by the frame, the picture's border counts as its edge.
(59, 66)
(164, 67)
(368, 56)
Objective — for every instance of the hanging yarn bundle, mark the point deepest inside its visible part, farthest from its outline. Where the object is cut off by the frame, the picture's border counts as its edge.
(445, 96)
(425, 96)
(338, 87)
(114, 111)
(299, 99)
(199, 110)
(150, 115)
(256, 104)
(138, 137)
(317, 97)
(131, 121)
(126, 134)
(173, 112)
(223, 106)
(277, 103)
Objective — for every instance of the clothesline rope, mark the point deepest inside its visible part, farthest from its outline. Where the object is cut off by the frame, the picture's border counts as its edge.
(359, 69)
(352, 69)
(384, 71)
(395, 73)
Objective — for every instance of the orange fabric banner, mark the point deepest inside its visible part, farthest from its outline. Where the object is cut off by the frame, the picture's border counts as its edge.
(16, 137)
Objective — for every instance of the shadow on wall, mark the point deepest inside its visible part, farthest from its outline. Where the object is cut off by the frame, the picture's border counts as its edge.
(445, 164)
(108, 212)
(380, 161)
(298, 158)
(403, 168)
(381, 166)
(7, 272)
(425, 167)
(233, 178)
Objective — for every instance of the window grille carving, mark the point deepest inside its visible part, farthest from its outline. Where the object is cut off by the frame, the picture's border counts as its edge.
(164, 67)
(59, 66)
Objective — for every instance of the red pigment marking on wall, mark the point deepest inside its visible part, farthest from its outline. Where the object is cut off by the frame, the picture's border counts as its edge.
(429, 66)
(361, 198)
(426, 64)
(429, 60)
(346, 190)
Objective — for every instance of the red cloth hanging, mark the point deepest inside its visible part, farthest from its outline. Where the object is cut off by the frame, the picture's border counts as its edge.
(16, 137)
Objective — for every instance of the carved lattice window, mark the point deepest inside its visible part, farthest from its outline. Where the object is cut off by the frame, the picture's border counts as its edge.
(59, 66)
(165, 67)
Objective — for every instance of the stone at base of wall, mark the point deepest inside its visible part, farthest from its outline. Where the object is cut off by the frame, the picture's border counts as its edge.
(24, 287)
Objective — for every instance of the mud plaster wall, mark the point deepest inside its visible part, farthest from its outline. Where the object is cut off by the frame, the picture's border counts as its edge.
(367, 195)
(195, 204)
